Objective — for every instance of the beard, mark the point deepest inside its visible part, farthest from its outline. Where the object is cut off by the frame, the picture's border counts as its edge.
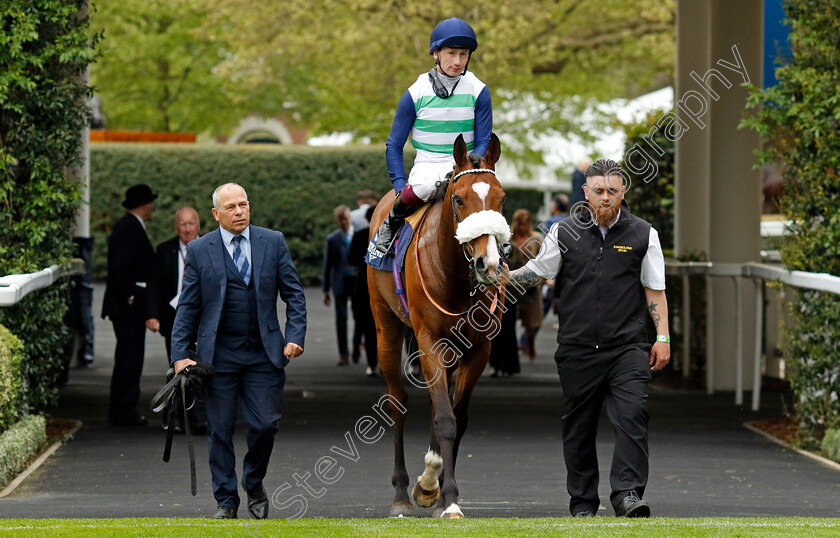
(604, 216)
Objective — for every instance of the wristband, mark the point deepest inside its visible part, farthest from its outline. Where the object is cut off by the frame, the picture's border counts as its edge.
(662, 338)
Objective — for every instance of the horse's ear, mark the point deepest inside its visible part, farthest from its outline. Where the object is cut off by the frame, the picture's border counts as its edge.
(493, 151)
(460, 151)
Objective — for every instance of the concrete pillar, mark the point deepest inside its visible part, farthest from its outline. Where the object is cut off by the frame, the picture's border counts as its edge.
(718, 203)
(691, 162)
(82, 172)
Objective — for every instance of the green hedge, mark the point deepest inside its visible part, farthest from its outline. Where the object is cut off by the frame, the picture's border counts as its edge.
(798, 122)
(292, 189)
(45, 47)
(11, 354)
(19, 443)
(831, 444)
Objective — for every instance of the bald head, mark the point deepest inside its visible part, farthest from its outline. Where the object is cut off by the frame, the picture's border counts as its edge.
(231, 208)
(186, 224)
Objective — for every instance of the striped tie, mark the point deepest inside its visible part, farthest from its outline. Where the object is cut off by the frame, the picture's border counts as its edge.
(240, 260)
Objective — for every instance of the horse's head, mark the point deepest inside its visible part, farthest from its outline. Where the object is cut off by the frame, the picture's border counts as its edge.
(477, 198)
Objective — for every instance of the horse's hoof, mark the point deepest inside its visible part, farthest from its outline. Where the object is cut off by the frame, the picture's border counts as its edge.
(424, 498)
(401, 509)
(453, 512)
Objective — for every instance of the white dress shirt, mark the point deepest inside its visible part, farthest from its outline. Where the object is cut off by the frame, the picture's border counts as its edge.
(549, 259)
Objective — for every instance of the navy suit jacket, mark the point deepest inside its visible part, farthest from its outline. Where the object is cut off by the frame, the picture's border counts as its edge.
(203, 295)
(335, 263)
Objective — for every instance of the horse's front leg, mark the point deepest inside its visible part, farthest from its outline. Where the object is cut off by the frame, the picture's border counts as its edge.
(468, 375)
(445, 430)
(427, 488)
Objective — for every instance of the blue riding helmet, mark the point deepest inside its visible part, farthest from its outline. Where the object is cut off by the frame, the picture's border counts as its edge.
(454, 33)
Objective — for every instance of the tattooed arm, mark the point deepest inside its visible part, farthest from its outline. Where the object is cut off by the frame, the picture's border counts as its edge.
(657, 306)
(522, 277)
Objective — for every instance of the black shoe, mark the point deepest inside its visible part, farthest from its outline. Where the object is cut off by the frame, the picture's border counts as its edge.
(584, 513)
(129, 421)
(224, 512)
(633, 506)
(257, 501)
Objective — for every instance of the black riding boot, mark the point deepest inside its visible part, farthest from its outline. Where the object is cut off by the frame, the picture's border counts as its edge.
(392, 224)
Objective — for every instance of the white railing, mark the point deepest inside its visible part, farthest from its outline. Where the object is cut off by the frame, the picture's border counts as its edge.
(13, 288)
(758, 273)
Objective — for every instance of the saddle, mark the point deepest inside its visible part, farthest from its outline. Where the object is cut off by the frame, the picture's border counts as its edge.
(187, 386)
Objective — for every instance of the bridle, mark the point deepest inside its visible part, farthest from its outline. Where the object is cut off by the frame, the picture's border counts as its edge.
(453, 180)
(477, 285)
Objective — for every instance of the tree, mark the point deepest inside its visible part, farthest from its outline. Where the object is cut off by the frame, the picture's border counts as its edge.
(341, 65)
(157, 67)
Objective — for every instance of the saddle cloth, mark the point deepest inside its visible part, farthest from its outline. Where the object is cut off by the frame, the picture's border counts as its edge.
(385, 262)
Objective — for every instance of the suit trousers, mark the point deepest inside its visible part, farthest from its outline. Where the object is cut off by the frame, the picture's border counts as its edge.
(130, 332)
(589, 377)
(341, 322)
(246, 375)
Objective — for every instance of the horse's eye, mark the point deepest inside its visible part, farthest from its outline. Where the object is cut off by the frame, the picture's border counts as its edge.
(459, 201)
(504, 199)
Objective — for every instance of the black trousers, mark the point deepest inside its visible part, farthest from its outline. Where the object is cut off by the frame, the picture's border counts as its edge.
(618, 376)
(130, 331)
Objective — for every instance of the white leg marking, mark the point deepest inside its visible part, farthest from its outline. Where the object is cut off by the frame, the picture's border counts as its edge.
(453, 509)
(429, 479)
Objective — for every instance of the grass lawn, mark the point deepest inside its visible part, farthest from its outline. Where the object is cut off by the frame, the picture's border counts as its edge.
(323, 528)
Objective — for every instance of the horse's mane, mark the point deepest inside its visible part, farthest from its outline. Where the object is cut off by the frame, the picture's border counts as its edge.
(475, 159)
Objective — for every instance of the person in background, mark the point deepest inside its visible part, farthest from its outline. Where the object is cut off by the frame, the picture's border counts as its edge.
(340, 278)
(578, 182)
(526, 243)
(171, 261)
(362, 313)
(130, 273)
(559, 211)
(365, 199)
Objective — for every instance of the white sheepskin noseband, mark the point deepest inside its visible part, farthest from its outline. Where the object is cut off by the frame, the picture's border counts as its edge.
(483, 223)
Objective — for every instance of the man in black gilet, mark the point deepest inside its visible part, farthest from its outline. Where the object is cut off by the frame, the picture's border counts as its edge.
(609, 267)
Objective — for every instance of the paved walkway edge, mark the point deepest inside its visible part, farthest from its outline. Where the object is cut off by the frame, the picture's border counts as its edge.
(825, 461)
(37, 463)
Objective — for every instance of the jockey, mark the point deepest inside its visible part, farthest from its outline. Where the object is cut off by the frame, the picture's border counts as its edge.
(440, 105)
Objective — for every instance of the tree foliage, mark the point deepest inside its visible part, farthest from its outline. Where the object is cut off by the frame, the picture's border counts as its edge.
(157, 67)
(45, 48)
(798, 120)
(342, 65)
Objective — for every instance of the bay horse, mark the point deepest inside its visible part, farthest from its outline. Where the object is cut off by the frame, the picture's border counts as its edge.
(454, 309)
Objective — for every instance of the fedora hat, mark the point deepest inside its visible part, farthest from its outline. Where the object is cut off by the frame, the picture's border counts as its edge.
(138, 195)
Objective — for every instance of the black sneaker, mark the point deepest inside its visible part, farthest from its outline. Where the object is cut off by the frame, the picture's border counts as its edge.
(632, 506)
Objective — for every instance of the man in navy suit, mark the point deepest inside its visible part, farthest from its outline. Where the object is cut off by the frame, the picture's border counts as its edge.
(340, 275)
(229, 304)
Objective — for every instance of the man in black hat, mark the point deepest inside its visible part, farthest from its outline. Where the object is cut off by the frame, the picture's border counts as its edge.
(126, 303)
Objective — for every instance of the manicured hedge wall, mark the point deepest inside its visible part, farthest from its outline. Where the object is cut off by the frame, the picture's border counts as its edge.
(292, 189)
(11, 354)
